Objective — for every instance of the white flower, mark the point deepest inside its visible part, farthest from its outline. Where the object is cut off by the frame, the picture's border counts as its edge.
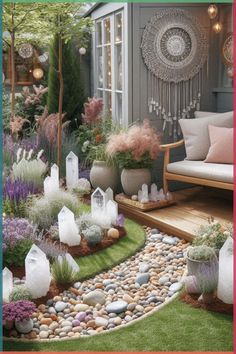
(30, 154)
(18, 154)
(40, 153)
(86, 144)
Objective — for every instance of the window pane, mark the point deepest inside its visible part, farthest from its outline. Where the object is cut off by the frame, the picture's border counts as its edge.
(119, 67)
(99, 33)
(107, 63)
(118, 28)
(107, 103)
(99, 94)
(100, 66)
(107, 30)
(119, 113)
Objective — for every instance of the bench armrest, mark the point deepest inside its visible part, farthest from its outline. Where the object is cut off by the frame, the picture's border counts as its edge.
(172, 145)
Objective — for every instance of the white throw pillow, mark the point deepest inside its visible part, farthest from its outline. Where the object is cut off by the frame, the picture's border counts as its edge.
(196, 135)
(203, 114)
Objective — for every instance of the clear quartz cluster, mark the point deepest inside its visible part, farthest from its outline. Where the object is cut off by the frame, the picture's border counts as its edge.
(225, 291)
(68, 230)
(154, 196)
(72, 171)
(51, 183)
(7, 283)
(104, 209)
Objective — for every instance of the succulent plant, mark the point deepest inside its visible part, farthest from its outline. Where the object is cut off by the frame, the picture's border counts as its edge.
(18, 310)
(93, 235)
(201, 253)
(20, 292)
(84, 221)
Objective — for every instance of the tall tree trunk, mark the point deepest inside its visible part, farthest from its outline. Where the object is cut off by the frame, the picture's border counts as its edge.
(60, 104)
(13, 79)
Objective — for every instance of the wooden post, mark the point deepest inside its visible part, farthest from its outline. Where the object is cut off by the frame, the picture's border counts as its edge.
(61, 91)
(13, 78)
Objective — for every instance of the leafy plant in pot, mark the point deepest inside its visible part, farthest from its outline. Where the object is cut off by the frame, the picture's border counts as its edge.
(135, 150)
(104, 172)
(203, 264)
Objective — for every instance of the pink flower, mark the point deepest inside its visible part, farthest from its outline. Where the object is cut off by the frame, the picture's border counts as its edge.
(92, 110)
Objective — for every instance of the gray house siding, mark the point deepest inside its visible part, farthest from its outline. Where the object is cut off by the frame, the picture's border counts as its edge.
(217, 94)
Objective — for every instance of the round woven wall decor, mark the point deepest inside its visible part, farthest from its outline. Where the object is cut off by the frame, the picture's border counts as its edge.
(174, 45)
(227, 50)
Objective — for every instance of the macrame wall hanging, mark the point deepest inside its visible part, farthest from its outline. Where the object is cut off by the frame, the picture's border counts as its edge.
(174, 49)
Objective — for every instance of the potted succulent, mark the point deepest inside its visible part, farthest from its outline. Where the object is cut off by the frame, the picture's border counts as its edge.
(203, 264)
(104, 173)
(135, 150)
(19, 313)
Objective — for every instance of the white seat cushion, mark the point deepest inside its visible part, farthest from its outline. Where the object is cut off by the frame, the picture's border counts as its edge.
(200, 169)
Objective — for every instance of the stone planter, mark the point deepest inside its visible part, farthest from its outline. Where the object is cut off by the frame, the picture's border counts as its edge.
(24, 326)
(194, 267)
(104, 176)
(133, 179)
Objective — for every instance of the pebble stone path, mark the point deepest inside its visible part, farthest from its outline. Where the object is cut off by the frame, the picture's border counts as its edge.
(116, 297)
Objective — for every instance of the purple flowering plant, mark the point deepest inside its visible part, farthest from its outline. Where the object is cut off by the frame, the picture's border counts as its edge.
(18, 310)
(15, 193)
(18, 234)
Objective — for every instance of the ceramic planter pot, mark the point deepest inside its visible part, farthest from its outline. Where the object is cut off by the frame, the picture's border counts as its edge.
(133, 179)
(104, 176)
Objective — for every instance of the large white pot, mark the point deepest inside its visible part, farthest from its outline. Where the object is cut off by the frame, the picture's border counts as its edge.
(133, 179)
(104, 176)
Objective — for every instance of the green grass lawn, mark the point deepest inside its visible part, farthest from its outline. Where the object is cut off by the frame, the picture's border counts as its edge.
(176, 327)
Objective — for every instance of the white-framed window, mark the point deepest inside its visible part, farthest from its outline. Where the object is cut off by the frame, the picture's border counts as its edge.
(109, 65)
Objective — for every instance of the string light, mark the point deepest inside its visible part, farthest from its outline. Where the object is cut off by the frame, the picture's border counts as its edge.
(212, 11)
(38, 73)
(217, 27)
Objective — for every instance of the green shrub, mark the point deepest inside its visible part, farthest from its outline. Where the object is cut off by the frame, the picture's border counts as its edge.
(20, 292)
(201, 253)
(16, 255)
(63, 273)
(44, 211)
(93, 235)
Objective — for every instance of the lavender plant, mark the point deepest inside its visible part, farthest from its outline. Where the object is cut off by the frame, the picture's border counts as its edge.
(18, 310)
(15, 193)
(18, 237)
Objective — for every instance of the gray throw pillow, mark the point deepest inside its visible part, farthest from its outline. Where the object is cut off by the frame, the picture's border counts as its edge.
(196, 135)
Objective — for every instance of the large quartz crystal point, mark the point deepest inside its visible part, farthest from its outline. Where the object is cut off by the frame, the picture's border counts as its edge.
(68, 230)
(112, 211)
(226, 267)
(72, 170)
(55, 176)
(37, 272)
(7, 283)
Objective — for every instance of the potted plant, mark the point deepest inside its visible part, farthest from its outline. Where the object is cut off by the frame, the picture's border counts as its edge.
(135, 150)
(203, 264)
(19, 313)
(104, 173)
(214, 234)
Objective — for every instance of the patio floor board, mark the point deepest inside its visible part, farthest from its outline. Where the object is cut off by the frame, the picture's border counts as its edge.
(193, 208)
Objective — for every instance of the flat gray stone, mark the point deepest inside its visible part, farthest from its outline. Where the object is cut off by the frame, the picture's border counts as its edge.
(117, 307)
(60, 306)
(164, 279)
(169, 240)
(94, 297)
(142, 278)
(143, 267)
(25, 326)
(175, 287)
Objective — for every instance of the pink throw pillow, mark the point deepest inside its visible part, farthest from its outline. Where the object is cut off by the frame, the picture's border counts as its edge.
(221, 149)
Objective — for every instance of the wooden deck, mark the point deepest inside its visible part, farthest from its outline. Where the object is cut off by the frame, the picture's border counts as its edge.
(193, 208)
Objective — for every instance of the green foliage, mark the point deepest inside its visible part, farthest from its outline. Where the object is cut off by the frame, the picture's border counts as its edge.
(44, 211)
(20, 292)
(99, 153)
(62, 272)
(16, 255)
(11, 209)
(213, 235)
(6, 112)
(126, 160)
(73, 96)
(201, 253)
(93, 235)
(50, 151)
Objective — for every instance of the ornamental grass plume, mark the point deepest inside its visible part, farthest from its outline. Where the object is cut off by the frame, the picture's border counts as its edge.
(138, 147)
(92, 110)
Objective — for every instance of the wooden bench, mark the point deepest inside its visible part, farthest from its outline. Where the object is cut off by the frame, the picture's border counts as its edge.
(168, 176)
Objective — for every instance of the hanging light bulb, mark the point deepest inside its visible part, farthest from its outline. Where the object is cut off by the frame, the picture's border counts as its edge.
(38, 73)
(82, 51)
(212, 11)
(217, 27)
